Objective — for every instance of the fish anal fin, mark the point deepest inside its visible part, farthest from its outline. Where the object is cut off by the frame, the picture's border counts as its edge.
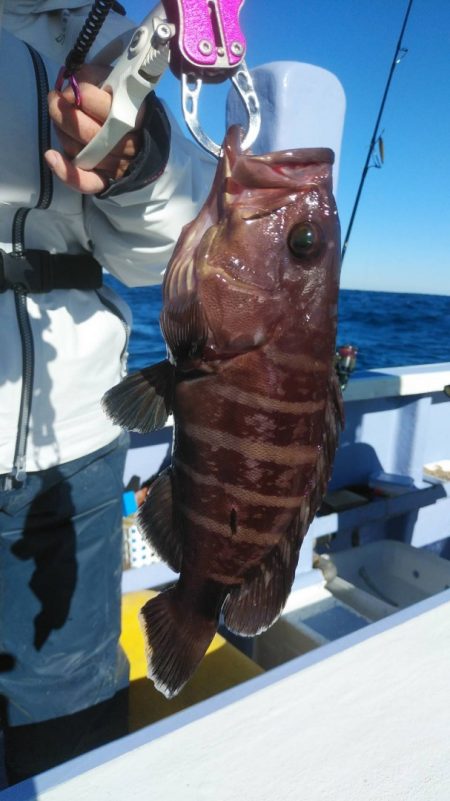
(143, 400)
(256, 604)
(156, 521)
(178, 631)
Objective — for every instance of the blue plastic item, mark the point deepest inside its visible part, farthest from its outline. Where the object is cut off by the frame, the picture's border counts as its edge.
(129, 503)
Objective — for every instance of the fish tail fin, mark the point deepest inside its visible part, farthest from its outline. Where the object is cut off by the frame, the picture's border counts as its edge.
(178, 633)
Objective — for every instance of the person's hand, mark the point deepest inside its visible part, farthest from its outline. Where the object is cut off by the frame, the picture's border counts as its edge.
(77, 126)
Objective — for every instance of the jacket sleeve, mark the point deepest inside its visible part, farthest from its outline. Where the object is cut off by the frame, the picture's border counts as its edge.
(153, 155)
(133, 234)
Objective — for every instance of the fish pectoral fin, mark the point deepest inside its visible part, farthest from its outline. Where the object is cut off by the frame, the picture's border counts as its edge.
(185, 327)
(143, 400)
(156, 521)
(256, 604)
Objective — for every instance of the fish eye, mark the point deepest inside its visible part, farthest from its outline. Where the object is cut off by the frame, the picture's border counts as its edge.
(305, 240)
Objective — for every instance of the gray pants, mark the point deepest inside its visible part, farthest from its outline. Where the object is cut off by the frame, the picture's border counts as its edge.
(60, 588)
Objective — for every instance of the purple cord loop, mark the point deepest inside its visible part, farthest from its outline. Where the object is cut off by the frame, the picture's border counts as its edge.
(66, 75)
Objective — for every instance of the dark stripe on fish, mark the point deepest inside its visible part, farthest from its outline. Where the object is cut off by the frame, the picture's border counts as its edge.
(287, 455)
(242, 536)
(241, 469)
(239, 492)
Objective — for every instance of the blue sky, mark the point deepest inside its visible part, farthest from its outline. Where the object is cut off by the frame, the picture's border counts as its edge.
(401, 236)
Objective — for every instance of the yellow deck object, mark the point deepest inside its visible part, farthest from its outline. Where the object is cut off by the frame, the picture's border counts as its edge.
(222, 667)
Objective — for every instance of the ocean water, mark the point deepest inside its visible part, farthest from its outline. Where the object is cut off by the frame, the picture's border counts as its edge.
(389, 329)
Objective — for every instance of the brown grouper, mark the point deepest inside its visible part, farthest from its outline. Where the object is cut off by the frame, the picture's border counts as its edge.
(249, 318)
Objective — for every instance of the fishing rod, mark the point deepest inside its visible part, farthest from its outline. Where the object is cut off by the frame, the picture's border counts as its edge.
(399, 53)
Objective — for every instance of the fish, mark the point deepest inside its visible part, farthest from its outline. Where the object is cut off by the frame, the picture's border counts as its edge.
(249, 318)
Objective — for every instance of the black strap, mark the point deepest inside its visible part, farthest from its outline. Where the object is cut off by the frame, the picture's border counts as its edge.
(40, 271)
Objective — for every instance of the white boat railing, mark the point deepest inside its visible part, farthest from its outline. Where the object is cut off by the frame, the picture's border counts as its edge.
(397, 421)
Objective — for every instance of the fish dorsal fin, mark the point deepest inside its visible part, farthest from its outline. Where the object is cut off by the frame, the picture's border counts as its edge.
(156, 521)
(333, 424)
(142, 401)
(252, 607)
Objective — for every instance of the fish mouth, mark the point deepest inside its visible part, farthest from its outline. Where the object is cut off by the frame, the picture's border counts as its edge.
(210, 261)
(238, 284)
(272, 170)
(301, 156)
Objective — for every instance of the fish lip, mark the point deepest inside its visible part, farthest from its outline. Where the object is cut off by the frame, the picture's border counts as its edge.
(302, 156)
(248, 288)
(232, 147)
(221, 272)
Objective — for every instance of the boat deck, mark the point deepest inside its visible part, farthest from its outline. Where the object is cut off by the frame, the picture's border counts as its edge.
(363, 718)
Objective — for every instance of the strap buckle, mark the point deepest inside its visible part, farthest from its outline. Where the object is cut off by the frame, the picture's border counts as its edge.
(29, 272)
(41, 271)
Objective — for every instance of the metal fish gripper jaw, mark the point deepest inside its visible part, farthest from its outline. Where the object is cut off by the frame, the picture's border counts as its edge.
(201, 41)
(210, 48)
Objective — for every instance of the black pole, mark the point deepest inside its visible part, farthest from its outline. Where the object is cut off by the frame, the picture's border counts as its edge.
(375, 132)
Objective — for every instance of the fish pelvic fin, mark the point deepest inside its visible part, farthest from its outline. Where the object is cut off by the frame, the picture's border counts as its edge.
(143, 400)
(178, 630)
(156, 521)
